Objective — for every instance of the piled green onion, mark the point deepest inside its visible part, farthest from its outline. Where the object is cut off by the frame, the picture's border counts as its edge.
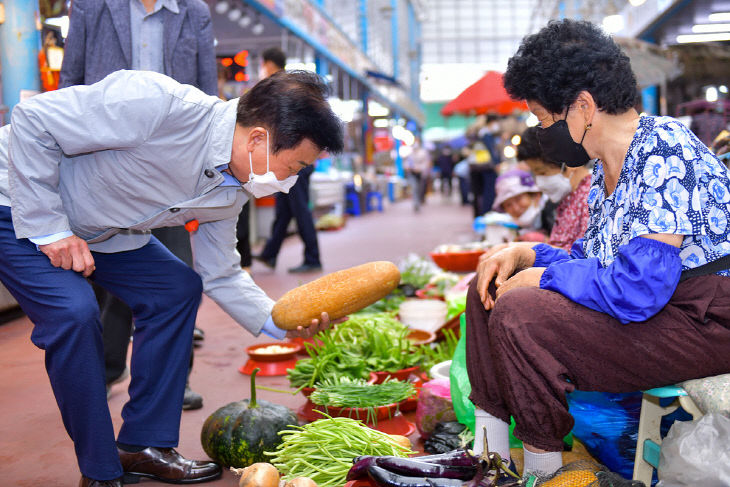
(356, 393)
(323, 450)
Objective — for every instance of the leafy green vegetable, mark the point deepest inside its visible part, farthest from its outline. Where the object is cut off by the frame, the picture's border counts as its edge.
(438, 352)
(364, 343)
(416, 271)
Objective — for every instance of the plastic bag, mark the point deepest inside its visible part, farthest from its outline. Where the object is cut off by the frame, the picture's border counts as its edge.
(608, 424)
(445, 438)
(434, 406)
(459, 379)
(696, 453)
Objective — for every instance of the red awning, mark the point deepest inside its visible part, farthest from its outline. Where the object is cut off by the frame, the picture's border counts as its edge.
(485, 96)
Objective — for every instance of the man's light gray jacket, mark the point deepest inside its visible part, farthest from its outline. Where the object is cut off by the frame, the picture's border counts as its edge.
(113, 160)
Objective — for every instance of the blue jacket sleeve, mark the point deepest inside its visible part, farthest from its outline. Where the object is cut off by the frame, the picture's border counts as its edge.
(546, 254)
(636, 286)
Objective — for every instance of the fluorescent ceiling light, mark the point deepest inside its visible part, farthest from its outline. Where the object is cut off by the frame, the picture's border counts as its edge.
(704, 28)
(687, 38)
(613, 23)
(720, 17)
(711, 94)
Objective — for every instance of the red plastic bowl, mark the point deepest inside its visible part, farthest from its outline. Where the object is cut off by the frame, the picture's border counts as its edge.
(421, 337)
(466, 261)
(252, 352)
(381, 412)
(403, 374)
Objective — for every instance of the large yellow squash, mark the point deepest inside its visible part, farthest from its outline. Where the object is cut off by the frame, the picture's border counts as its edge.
(339, 294)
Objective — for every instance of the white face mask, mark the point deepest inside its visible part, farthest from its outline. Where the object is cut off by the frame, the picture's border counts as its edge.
(555, 187)
(260, 185)
(527, 219)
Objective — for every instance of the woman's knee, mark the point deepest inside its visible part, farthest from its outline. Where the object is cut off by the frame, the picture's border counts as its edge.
(516, 310)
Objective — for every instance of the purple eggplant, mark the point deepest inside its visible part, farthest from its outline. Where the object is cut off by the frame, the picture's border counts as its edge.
(360, 467)
(416, 468)
(456, 458)
(384, 478)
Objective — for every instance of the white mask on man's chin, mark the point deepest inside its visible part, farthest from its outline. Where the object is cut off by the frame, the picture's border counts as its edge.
(260, 185)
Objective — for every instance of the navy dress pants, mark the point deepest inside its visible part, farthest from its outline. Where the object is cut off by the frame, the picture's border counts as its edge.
(164, 295)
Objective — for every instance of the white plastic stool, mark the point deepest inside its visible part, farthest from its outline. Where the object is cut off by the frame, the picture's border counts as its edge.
(649, 441)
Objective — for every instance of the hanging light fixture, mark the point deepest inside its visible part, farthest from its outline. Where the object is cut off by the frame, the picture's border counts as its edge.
(234, 14)
(258, 27)
(245, 20)
(221, 7)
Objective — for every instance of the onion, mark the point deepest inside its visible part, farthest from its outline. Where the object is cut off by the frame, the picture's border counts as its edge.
(402, 441)
(258, 475)
(301, 482)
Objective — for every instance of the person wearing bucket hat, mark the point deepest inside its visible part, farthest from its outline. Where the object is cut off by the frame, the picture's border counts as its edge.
(520, 198)
(641, 300)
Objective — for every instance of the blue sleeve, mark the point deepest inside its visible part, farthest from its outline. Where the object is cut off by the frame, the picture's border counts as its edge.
(636, 286)
(576, 250)
(546, 254)
(272, 330)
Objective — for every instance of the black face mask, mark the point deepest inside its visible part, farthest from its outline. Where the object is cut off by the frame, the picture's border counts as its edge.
(558, 146)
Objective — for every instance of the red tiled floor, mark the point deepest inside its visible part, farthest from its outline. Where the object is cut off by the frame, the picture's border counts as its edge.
(34, 447)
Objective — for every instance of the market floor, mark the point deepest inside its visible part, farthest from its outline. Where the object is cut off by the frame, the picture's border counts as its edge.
(35, 449)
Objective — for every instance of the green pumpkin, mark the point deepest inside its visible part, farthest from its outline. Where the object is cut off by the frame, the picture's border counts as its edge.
(238, 434)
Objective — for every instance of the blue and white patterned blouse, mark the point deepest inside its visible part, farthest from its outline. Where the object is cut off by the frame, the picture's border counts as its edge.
(670, 183)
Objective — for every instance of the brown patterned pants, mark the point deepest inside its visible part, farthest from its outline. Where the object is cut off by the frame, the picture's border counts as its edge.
(535, 346)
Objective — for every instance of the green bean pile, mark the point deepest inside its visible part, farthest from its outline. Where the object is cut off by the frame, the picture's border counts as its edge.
(323, 450)
(348, 393)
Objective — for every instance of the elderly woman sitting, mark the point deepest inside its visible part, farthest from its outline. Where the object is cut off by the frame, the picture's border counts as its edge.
(643, 300)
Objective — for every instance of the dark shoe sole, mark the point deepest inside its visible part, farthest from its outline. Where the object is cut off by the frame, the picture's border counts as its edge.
(134, 478)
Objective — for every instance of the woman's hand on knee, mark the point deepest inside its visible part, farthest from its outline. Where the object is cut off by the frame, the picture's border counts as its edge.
(70, 253)
(527, 278)
(498, 267)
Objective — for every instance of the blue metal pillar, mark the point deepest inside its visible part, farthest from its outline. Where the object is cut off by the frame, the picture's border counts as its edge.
(650, 100)
(413, 48)
(322, 65)
(394, 35)
(19, 41)
(398, 160)
(364, 25)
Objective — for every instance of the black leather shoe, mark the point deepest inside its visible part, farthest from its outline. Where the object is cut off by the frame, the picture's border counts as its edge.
(87, 482)
(270, 263)
(305, 268)
(191, 400)
(166, 465)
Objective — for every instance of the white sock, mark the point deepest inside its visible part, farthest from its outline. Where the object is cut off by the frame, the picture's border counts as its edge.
(497, 434)
(542, 463)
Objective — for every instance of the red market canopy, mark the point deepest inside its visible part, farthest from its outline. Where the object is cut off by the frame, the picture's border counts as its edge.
(485, 96)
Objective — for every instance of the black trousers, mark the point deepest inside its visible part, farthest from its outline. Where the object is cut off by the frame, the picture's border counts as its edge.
(116, 316)
(294, 204)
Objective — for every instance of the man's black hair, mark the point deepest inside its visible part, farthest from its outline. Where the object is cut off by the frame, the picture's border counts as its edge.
(276, 56)
(566, 57)
(292, 106)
